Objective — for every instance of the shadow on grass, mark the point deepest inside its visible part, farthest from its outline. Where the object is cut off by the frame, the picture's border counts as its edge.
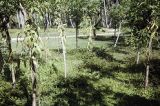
(135, 100)
(97, 63)
(83, 37)
(157, 95)
(121, 40)
(99, 66)
(102, 62)
(7, 73)
(100, 52)
(141, 68)
(105, 38)
(135, 68)
(9, 95)
(79, 92)
(120, 50)
(155, 71)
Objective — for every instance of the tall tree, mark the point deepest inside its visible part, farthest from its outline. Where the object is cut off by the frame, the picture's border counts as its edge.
(117, 14)
(76, 13)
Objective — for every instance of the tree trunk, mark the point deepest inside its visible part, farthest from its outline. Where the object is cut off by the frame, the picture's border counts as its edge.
(77, 34)
(34, 67)
(94, 32)
(105, 14)
(118, 35)
(64, 57)
(10, 60)
(46, 21)
(21, 23)
(34, 15)
(96, 22)
(18, 19)
(13, 76)
(115, 32)
(90, 38)
(138, 56)
(49, 19)
(21, 16)
(71, 22)
(148, 62)
(117, 2)
(147, 76)
(8, 42)
(103, 19)
(110, 23)
(5, 29)
(1, 62)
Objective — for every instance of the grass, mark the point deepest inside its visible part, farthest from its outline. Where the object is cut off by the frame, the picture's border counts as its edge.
(55, 43)
(54, 32)
(100, 77)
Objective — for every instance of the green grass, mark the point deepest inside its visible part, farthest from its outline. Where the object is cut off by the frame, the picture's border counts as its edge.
(111, 82)
(54, 32)
(70, 43)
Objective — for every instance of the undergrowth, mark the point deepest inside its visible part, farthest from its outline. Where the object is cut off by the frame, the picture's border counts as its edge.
(95, 78)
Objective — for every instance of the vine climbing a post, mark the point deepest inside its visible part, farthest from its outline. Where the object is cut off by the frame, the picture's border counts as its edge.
(61, 28)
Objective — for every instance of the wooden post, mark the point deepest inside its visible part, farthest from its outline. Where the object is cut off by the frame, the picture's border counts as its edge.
(34, 67)
(118, 34)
